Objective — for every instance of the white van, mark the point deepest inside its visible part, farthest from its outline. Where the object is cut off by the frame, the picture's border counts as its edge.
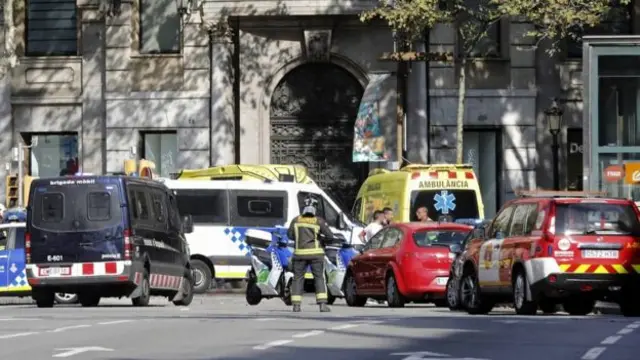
(222, 211)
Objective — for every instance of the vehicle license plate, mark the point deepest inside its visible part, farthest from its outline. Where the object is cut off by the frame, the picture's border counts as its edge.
(600, 254)
(442, 280)
(53, 271)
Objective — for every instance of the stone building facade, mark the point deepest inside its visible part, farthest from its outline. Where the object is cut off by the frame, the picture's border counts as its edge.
(281, 83)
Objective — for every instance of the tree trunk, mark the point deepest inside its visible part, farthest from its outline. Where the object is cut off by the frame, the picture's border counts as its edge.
(462, 89)
(10, 59)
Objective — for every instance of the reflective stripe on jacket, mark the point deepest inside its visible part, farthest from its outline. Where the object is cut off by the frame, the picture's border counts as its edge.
(305, 232)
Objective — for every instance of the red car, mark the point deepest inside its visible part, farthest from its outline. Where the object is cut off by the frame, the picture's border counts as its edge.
(405, 263)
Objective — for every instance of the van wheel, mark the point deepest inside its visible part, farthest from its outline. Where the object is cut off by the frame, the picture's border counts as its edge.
(351, 292)
(202, 276)
(394, 298)
(187, 291)
(64, 298)
(471, 296)
(579, 305)
(253, 293)
(88, 300)
(44, 299)
(145, 288)
(453, 294)
(520, 302)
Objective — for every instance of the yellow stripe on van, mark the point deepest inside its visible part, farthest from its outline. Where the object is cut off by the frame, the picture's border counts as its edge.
(565, 267)
(636, 267)
(619, 269)
(582, 269)
(231, 274)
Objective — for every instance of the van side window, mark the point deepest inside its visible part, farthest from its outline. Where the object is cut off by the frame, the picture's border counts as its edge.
(258, 208)
(133, 204)
(205, 206)
(158, 199)
(519, 220)
(174, 215)
(532, 214)
(52, 207)
(142, 203)
(99, 206)
(501, 222)
(324, 210)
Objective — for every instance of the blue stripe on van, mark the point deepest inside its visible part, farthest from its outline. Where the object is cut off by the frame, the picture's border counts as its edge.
(237, 235)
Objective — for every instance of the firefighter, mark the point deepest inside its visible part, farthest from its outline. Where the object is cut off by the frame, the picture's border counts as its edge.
(305, 231)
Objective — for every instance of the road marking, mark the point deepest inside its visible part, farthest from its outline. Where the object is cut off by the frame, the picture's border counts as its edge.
(344, 326)
(18, 319)
(633, 326)
(625, 331)
(272, 344)
(184, 309)
(114, 322)
(307, 334)
(611, 340)
(265, 319)
(79, 350)
(11, 336)
(593, 353)
(69, 328)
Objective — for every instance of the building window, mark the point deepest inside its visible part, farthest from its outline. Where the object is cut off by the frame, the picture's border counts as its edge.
(617, 22)
(159, 27)
(489, 45)
(54, 154)
(52, 28)
(162, 149)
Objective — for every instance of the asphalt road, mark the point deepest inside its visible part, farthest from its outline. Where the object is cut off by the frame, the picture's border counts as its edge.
(224, 327)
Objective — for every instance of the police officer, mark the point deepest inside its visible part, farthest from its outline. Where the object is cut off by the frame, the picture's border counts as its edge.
(305, 231)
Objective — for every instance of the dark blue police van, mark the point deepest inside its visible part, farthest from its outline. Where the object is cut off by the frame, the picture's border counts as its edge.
(106, 236)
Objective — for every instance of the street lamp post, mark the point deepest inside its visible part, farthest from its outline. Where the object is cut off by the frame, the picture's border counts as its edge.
(554, 121)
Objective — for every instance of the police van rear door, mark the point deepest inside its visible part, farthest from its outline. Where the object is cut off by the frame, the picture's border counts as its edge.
(77, 220)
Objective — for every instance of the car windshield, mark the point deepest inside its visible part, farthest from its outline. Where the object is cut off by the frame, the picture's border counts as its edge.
(426, 238)
(595, 218)
(454, 203)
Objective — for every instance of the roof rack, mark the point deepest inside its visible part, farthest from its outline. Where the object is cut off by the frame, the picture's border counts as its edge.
(560, 194)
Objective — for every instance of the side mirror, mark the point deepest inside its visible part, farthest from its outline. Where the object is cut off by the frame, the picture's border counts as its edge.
(499, 235)
(455, 248)
(187, 224)
(342, 221)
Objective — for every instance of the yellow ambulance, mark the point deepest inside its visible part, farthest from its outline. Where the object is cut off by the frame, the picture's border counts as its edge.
(444, 189)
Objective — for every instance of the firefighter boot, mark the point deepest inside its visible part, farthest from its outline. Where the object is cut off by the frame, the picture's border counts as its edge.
(296, 308)
(324, 308)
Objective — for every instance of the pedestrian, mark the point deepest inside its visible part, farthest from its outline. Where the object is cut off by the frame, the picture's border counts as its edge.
(388, 216)
(305, 231)
(422, 214)
(376, 225)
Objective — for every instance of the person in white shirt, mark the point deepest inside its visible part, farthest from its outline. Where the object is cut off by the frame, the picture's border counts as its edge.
(373, 228)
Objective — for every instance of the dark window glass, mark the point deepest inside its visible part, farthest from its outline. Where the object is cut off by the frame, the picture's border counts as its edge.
(159, 211)
(19, 238)
(426, 238)
(52, 207)
(52, 27)
(458, 204)
(501, 223)
(270, 207)
(99, 206)
(376, 241)
(204, 206)
(142, 205)
(596, 218)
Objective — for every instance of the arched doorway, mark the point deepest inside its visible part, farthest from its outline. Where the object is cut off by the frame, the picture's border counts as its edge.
(313, 110)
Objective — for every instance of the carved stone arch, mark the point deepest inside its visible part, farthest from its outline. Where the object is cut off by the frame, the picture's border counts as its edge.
(312, 112)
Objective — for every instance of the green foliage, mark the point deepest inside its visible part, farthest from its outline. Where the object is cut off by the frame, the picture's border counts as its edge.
(560, 19)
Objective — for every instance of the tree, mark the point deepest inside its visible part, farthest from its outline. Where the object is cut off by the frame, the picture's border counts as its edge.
(552, 19)
(556, 20)
(9, 58)
(410, 18)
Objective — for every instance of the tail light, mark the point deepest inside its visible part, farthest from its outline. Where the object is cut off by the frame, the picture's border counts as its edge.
(469, 175)
(27, 247)
(433, 174)
(415, 175)
(453, 175)
(127, 244)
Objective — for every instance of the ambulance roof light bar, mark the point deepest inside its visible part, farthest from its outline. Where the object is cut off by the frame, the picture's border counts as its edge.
(559, 194)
